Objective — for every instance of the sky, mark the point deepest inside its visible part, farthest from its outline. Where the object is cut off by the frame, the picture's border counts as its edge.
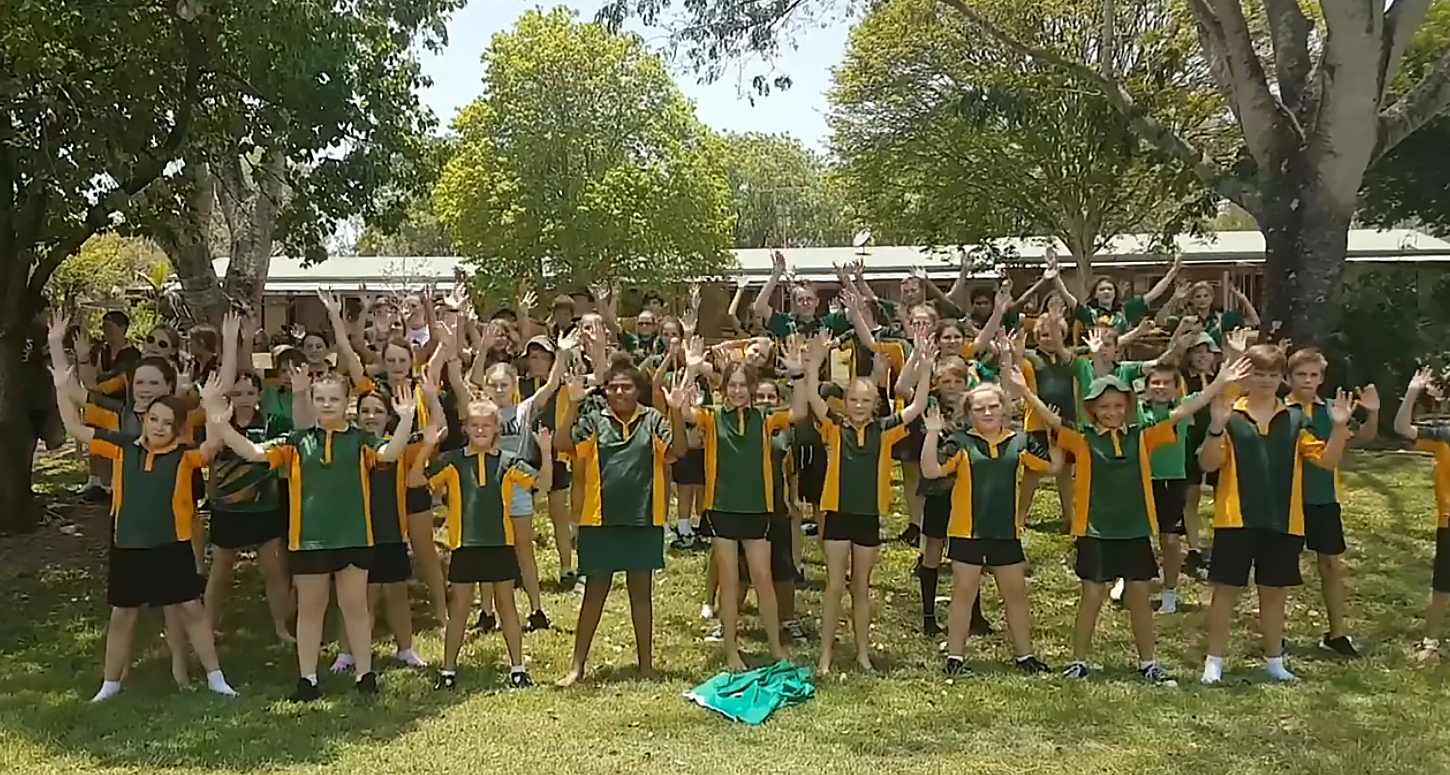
(800, 111)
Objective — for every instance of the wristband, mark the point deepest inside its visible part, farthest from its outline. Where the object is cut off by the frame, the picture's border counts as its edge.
(801, 375)
(1216, 433)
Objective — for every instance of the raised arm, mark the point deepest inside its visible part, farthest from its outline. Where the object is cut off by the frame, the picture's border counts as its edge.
(607, 306)
(930, 463)
(761, 305)
(1015, 383)
(1340, 410)
(1227, 374)
(732, 311)
(1404, 417)
(346, 356)
(994, 323)
(1251, 315)
(927, 350)
(815, 356)
(1369, 400)
(55, 341)
(70, 413)
(1054, 273)
(405, 405)
(231, 344)
(1161, 287)
(301, 398)
(1211, 455)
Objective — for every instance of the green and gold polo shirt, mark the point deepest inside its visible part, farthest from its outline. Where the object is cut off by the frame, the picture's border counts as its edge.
(984, 495)
(782, 325)
(1320, 486)
(739, 471)
(388, 491)
(152, 503)
(858, 462)
(480, 486)
(1054, 381)
(237, 484)
(1113, 478)
(1170, 461)
(328, 489)
(619, 464)
(1088, 314)
(1435, 439)
(1260, 483)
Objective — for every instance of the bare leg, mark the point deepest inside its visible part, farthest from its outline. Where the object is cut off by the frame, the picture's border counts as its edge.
(1172, 559)
(508, 621)
(1220, 618)
(596, 592)
(1190, 516)
(1028, 488)
(1012, 586)
(838, 562)
(460, 605)
(966, 583)
(641, 614)
(1435, 613)
(563, 528)
(712, 579)
(399, 615)
(1065, 483)
(727, 569)
(910, 479)
(193, 617)
(314, 592)
(863, 561)
(218, 580)
(176, 644)
(757, 557)
(528, 563)
(425, 555)
(352, 600)
(272, 561)
(119, 635)
(1331, 581)
(1140, 612)
(1271, 619)
(1089, 605)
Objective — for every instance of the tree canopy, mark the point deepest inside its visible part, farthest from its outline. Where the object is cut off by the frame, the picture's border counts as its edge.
(582, 162)
(784, 193)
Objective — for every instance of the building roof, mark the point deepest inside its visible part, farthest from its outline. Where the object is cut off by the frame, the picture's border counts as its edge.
(1231, 248)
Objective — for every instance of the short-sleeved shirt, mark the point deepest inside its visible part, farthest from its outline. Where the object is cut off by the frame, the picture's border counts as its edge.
(1083, 376)
(329, 487)
(1435, 439)
(641, 346)
(152, 502)
(479, 486)
(1112, 478)
(1170, 461)
(781, 325)
(1320, 485)
(984, 493)
(388, 493)
(1261, 479)
(121, 416)
(620, 466)
(276, 403)
(739, 471)
(1214, 324)
(237, 484)
(113, 371)
(781, 466)
(858, 463)
(1088, 314)
(1054, 381)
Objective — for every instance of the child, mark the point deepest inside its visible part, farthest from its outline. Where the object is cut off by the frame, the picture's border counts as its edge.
(539, 359)
(1323, 528)
(1170, 482)
(785, 520)
(857, 486)
(1113, 506)
(1434, 439)
(479, 480)
(330, 530)
(1258, 445)
(152, 507)
(1200, 365)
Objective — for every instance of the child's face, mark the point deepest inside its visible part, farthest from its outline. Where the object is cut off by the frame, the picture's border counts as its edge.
(767, 395)
(482, 429)
(921, 321)
(757, 353)
(622, 395)
(860, 401)
(1105, 293)
(1109, 350)
(329, 401)
(803, 302)
(950, 385)
(1202, 299)
(737, 389)
(982, 307)
(147, 385)
(538, 362)
(111, 331)
(372, 415)
(1201, 358)
(1110, 410)
(646, 324)
(1263, 383)
(911, 291)
(500, 388)
(159, 427)
(951, 339)
(397, 361)
(314, 349)
(244, 394)
(986, 411)
(1162, 386)
(1049, 336)
(1306, 379)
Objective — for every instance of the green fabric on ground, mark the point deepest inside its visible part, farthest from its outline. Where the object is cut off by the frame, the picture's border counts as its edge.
(753, 695)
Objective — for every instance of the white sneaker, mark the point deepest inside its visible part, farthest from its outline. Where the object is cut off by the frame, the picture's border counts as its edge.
(1169, 603)
(707, 611)
(717, 633)
(1116, 593)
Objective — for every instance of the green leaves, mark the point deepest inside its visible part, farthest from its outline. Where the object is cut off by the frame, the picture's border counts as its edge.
(582, 162)
(784, 194)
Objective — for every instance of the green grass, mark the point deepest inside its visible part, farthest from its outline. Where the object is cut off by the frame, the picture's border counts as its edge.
(1380, 714)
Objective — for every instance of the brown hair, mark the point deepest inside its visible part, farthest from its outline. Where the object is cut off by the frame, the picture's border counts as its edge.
(166, 367)
(1266, 357)
(1162, 366)
(1307, 355)
(729, 370)
(206, 336)
(179, 413)
(332, 376)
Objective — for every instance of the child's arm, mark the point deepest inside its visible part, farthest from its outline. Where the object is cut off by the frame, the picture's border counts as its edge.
(815, 355)
(913, 410)
(405, 405)
(1227, 374)
(999, 310)
(1404, 417)
(1211, 455)
(761, 305)
(70, 414)
(1162, 286)
(1369, 401)
(1015, 383)
(930, 463)
(732, 311)
(1251, 315)
(574, 394)
(231, 335)
(346, 356)
(1332, 450)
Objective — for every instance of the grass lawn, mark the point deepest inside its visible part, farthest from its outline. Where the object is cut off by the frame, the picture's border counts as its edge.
(1380, 714)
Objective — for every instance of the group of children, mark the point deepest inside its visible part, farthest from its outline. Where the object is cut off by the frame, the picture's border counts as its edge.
(334, 466)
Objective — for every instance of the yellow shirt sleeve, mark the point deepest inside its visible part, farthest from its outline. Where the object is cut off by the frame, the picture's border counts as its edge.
(1159, 435)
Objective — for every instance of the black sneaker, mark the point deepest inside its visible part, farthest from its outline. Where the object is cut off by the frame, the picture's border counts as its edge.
(957, 666)
(486, 622)
(568, 579)
(446, 681)
(520, 680)
(538, 621)
(910, 535)
(1078, 670)
(980, 628)
(306, 691)
(1154, 673)
(1032, 665)
(797, 633)
(95, 494)
(929, 626)
(1342, 646)
(367, 683)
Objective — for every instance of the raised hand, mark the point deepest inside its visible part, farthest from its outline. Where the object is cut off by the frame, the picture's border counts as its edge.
(55, 332)
(63, 377)
(567, 344)
(1050, 259)
(1004, 295)
(527, 298)
(433, 433)
(1342, 407)
(544, 438)
(82, 345)
(777, 262)
(816, 347)
(695, 353)
(1369, 397)
(1233, 372)
(1015, 381)
(574, 388)
(298, 378)
(791, 354)
(1094, 341)
(427, 385)
(213, 393)
(404, 402)
(1236, 340)
(329, 301)
(933, 420)
(231, 327)
(1422, 378)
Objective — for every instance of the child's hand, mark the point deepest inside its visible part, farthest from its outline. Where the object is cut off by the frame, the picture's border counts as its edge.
(1369, 397)
(1342, 407)
(403, 400)
(545, 439)
(1422, 378)
(934, 421)
(1235, 371)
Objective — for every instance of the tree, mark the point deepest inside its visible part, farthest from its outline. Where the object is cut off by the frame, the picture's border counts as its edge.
(582, 162)
(113, 108)
(784, 194)
(419, 234)
(943, 141)
(1311, 117)
(101, 272)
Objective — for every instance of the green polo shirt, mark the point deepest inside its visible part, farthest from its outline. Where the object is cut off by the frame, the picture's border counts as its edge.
(1088, 314)
(1170, 461)
(781, 325)
(235, 484)
(858, 463)
(479, 486)
(152, 503)
(328, 487)
(276, 403)
(1083, 376)
(620, 466)
(1320, 486)
(640, 346)
(984, 495)
(1054, 380)
(1214, 324)
(1112, 478)
(738, 466)
(388, 492)
(1260, 481)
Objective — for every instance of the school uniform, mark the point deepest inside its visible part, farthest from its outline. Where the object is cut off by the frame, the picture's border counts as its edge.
(740, 483)
(391, 501)
(620, 466)
(1054, 380)
(480, 530)
(1436, 440)
(1323, 525)
(1258, 504)
(689, 469)
(1169, 466)
(243, 496)
(782, 560)
(1113, 510)
(781, 325)
(153, 505)
(1087, 315)
(983, 527)
(857, 488)
(936, 494)
(1197, 432)
(549, 414)
(329, 522)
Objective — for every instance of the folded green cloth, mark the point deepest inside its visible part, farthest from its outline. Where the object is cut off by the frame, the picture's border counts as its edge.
(752, 696)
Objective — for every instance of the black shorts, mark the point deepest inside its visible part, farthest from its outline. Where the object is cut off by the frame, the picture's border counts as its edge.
(736, 526)
(245, 529)
(1440, 581)
(419, 500)
(1323, 529)
(391, 564)
(1273, 556)
(483, 565)
(325, 562)
(155, 577)
(562, 480)
(936, 514)
(706, 528)
(689, 469)
(810, 466)
(1101, 560)
(1169, 495)
(859, 529)
(991, 552)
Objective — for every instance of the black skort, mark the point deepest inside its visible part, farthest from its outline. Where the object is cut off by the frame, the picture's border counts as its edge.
(156, 577)
(483, 565)
(1101, 560)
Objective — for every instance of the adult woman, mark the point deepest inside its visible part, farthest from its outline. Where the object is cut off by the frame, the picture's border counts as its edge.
(1104, 307)
(620, 454)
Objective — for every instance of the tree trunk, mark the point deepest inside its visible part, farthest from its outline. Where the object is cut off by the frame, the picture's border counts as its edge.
(1306, 238)
(17, 508)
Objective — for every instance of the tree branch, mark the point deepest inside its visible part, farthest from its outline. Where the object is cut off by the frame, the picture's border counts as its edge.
(1430, 97)
(1401, 21)
(1289, 30)
(1255, 105)
(1149, 129)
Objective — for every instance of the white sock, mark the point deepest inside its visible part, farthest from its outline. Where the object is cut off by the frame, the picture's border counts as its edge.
(218, 683)
(1212, 670)
(683, 528)
(1277, 671)
(410, 658)
(448, 672)
(516, 669)
(1144, 664)
(310, 678)
(93, 481)
(108, 690)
